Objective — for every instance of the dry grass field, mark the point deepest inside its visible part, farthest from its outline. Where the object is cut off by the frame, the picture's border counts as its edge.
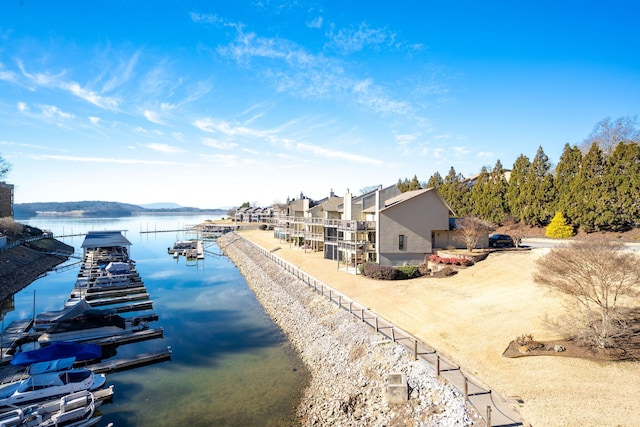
(472, 317)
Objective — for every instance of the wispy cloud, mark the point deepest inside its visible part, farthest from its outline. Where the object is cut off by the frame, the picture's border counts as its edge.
(57, 81)
(292, 69)
(315, 23)
(95, 120)
(337, 154)
(53, 112)
(153, 117)
(348, 40)
(122, 73)
(115, 160)
(210, 142)
(164, 148)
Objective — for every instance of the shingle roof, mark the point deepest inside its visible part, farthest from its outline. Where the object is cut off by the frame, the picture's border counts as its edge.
(105, 239)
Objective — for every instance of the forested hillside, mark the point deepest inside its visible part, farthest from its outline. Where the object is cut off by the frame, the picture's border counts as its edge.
(96, 209)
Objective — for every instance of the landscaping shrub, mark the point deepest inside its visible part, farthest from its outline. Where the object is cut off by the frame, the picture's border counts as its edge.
(408, 272)
(451, 261)
(558, 228)
(380, 272)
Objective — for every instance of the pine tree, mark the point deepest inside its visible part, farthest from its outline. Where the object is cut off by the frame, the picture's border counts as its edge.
(477, 195)
(517, 181)
(435, 181)
(558, 227)
(593, 213)
(496, 195)
(538, 193)
(414, 184)
(455, 192)
(568, 193)
(622, 180)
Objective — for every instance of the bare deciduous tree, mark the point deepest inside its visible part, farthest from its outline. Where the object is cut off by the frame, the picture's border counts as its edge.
(516, 230)
(599, 276)
(608, 133)
(473, 229)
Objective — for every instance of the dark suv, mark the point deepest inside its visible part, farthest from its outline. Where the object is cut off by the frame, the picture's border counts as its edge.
(502, 240)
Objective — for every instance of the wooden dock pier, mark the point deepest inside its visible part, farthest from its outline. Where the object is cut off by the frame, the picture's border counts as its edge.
(124, 363)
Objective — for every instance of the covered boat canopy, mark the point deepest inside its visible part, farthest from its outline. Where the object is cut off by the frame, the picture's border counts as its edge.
(76, 312)
(51, 366)
(117, 268)
(58, 350)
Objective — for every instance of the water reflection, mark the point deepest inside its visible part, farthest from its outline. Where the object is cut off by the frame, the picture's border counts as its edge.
(230, 364)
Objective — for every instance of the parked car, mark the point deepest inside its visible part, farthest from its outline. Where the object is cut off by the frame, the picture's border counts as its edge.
(500, 240)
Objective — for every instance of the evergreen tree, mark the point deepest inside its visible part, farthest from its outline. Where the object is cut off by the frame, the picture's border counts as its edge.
(538, 193)
(403, 186)
(517, 180)
(414, 184)
(593, 213)
(558, 227)
(567, 173)
(435, 181)
(478, 194)
(455, 192)
(622, 181)
(496, 195)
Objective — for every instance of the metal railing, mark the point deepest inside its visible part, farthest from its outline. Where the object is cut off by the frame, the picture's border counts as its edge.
(469, 388)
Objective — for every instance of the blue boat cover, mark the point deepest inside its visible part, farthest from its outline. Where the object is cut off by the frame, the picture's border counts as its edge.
(58, 350)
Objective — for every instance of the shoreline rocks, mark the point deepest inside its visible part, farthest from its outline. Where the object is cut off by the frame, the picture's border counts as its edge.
(350, 364)
(21, 265)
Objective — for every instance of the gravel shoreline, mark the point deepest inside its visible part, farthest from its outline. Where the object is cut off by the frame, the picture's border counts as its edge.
(349, 363)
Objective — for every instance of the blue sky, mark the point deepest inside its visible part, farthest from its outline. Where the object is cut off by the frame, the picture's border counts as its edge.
(213, 103)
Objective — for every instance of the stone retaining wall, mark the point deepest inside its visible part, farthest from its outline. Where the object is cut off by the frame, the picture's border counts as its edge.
(349, 363)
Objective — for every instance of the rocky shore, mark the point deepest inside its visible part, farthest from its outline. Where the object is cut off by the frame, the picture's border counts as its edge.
(21, 265)
(349, 363)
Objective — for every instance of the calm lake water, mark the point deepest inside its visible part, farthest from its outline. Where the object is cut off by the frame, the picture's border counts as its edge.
(231, 365)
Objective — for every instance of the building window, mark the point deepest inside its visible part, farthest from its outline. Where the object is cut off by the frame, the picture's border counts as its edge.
(401, 242)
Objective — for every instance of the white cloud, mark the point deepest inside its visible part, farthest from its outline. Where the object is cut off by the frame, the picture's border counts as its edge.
(461, 150)
(485, 154)
(105, 102)
(210, 142)
(205, 18)
(122, 73)
(153, 117)
(164, 148)
(94, 120)
(53, 112)
(356, 39)
(116, 160)
(23, 107)
(405, 139)
(315, 23)
(336, 154)
(292, 69)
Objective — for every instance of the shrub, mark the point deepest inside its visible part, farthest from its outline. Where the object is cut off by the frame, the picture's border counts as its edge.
(408, 272)
(558, 228)
(380, 272)
(451, 261)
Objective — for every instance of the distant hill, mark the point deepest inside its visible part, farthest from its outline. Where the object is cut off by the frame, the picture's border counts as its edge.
(161, 206)
(101, 209)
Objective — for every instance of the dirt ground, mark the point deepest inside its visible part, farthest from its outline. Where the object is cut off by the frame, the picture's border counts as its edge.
(473, 316)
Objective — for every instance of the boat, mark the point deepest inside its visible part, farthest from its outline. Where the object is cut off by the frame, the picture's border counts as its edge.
(193, 249)
(58, 350)
(93, 326)
(73, 410)
(48, 385)
(77, 312)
